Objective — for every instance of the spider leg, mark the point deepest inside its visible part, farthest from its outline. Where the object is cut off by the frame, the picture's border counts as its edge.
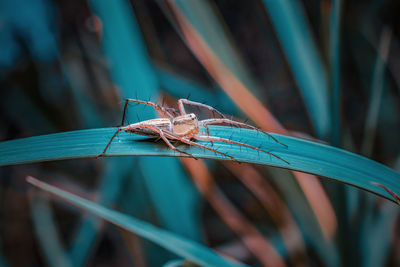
(182, 102)
(154, 128)
(174, 112)
(224, 140)
(163, 136)
(161, 110)
(189, 142)
(112, 138)
(208, 132)
(207, 122)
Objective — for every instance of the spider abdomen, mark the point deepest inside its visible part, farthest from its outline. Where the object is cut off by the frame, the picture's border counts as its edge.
(163, 124)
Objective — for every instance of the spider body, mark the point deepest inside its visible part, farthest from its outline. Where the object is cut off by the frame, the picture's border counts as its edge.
(184, 127)
(163, 124)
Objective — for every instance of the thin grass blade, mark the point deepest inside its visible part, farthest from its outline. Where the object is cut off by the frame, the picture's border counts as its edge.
(305, 156)
(335, 81)
(377, 86)
(181, 246)
(46, 232)
(297, 42)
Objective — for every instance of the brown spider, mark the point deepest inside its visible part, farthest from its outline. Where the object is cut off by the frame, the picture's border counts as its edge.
(174, 125)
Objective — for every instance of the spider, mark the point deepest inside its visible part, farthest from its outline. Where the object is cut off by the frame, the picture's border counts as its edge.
(179, 125)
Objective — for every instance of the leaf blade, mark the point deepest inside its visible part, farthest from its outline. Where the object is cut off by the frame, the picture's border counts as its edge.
(305, 156)
(181, 246)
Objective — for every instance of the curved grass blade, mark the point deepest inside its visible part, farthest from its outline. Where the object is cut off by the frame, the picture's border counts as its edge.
(174, 194)
(46, 232)
(179, 245)
(297, 42)
(334, 55)
(305, 156)
(377, 88)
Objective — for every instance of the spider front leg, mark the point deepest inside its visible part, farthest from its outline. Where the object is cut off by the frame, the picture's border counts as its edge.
(207, 122)
(224, 140)
(161, 110)
(189, 142)
(182, 102)
(112, 138)
(162, 135)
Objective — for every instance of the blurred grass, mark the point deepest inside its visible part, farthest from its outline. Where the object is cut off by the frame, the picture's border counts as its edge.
(262, 248)
(358, 105)
(292, 29)
(377, 87)
(175, 243)
(211, 44)
(204, 33)
(134, 73)
(43, 221)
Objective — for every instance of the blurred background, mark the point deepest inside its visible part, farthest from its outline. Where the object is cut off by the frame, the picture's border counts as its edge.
(320, 69)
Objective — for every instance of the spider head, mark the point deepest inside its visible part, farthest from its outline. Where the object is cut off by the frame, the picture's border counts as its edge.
(185, 124)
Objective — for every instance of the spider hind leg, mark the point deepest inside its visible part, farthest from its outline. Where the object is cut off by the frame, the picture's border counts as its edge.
(238, 124)
(189, 142)
(224, 140)
(164, 112)
(182, 102)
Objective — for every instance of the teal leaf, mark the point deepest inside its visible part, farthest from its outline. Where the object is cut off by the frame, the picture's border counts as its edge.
(305, 156)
